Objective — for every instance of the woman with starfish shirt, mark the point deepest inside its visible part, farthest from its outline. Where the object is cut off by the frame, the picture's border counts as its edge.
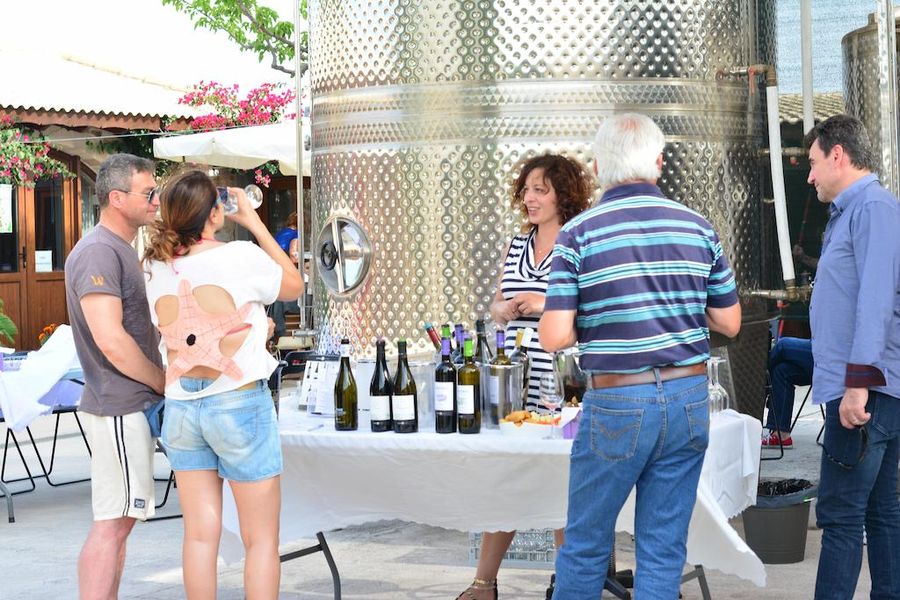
(208, 300)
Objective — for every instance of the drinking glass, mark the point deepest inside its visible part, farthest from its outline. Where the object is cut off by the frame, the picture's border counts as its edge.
(550, 392)
(718, 397)
(229, 200)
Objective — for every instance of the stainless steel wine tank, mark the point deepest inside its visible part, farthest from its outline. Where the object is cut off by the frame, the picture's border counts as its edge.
(423, 111)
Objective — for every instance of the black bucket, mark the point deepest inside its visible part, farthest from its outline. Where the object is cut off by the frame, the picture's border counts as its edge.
(775, 529)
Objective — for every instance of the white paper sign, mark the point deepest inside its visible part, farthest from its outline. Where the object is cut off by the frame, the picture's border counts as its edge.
(43, 261)
(6, 217)
(324, 387)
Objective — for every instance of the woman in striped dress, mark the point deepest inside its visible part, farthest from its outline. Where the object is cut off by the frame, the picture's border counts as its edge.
(550, 190)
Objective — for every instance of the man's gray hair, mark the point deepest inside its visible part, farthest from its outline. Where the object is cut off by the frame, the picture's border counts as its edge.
(116, 172)
(626, 148)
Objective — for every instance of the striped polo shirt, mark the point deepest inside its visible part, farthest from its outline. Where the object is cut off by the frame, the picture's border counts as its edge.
(639, 270)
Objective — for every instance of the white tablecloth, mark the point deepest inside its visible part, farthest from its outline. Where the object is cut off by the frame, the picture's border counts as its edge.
(485, 482)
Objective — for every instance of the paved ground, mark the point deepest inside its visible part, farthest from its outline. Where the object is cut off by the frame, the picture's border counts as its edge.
(387, 560)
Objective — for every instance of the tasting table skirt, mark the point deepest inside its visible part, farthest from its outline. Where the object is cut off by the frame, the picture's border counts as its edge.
(485, 482)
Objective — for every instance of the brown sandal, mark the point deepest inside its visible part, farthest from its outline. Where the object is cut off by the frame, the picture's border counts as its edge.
(479, 584)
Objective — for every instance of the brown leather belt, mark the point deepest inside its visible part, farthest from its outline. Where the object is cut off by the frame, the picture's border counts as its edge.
(608, 380)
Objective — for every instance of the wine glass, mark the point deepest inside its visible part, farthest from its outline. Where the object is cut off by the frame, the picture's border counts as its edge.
(718, 397)
(550, 392)
(724, 399)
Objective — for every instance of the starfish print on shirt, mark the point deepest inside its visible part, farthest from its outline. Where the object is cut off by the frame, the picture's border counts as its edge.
(196, 334)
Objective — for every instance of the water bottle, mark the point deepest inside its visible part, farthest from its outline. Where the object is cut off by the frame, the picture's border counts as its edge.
(230, 202)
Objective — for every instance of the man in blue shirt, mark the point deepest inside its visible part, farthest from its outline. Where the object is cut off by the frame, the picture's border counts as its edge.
(637, 281)
(856, 348)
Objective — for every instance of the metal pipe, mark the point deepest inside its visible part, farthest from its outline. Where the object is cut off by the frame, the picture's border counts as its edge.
(887, 84)
(806, 64)
(298, 110)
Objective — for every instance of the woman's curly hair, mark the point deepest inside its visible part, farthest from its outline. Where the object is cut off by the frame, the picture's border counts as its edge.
(572, 181)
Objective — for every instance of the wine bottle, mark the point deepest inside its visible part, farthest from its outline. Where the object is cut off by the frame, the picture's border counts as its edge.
(345, 399)
(520, 355)
(497, 384)
(445, 392)
(483, 352)
(404, 405)
(433, 336)
(468, 393)
(457, 356)
(380, 392)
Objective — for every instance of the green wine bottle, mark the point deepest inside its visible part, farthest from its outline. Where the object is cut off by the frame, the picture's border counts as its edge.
(380, 392)
(345, 398)
(468, 392)
(404, 404)
(445, 392)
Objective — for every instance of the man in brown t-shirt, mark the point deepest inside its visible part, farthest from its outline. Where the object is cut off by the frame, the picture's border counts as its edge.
(118, 349)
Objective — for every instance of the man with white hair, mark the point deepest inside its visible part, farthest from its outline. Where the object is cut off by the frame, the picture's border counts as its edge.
(637, 281)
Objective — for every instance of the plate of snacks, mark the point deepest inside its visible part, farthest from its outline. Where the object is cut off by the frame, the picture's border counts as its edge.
(526, 423)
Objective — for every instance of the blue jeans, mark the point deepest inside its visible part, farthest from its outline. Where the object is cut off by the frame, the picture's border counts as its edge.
(790, 364)
(651, 436)
(234, 433)
(863, 493)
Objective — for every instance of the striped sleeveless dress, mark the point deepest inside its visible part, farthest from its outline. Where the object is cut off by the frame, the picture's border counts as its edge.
(520, 274)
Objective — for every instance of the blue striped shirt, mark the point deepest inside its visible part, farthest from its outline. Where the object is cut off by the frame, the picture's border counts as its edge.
(639, 270)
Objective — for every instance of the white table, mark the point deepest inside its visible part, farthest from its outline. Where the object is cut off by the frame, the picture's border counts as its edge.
(338, 479)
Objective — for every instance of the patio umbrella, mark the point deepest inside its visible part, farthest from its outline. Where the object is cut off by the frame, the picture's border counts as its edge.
(238, 148)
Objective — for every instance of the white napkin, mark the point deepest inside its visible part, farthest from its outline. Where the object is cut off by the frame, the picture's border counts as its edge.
(20, 391)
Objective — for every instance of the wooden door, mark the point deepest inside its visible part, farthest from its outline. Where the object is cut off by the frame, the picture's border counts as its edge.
(13, 288)
(51, 212)
(39, 225)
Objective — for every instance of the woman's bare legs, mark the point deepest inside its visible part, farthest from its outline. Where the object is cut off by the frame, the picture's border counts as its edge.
(494, 545)
(259, 505)
(200, 495)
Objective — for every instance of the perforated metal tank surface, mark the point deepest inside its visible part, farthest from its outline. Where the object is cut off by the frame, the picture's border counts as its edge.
(423, 111)
(863, 96)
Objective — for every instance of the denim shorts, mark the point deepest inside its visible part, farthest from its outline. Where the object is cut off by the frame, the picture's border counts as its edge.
(234, 432)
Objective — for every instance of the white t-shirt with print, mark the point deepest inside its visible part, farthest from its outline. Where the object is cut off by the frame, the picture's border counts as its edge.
(248, 275)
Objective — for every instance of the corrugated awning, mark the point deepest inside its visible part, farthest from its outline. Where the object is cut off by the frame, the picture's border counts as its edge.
(827, 104)
(49, 82)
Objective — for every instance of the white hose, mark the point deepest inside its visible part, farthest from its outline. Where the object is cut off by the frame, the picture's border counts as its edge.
(781, 220)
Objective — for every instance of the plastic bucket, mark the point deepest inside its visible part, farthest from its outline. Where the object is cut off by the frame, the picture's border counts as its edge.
(776, 528)
(777, 535)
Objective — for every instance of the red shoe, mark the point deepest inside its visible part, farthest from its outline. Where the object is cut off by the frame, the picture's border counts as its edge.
(771, 441)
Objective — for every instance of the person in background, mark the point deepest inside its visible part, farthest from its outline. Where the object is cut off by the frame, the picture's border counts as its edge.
(207, 300)
(287, 238)
(117, 347)
(550, 190)
(790, 364)
(636, 281)
(855, 321)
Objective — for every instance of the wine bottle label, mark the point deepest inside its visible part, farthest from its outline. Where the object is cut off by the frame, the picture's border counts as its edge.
(494, 389)
(465, 399)
(338, 411)
(380, 408)
(443, 396)
(404, 408)
(345, 350)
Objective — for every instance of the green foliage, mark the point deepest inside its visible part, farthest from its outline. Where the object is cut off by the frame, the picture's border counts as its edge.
(252, 26)
(8, 329)
(26, 158)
